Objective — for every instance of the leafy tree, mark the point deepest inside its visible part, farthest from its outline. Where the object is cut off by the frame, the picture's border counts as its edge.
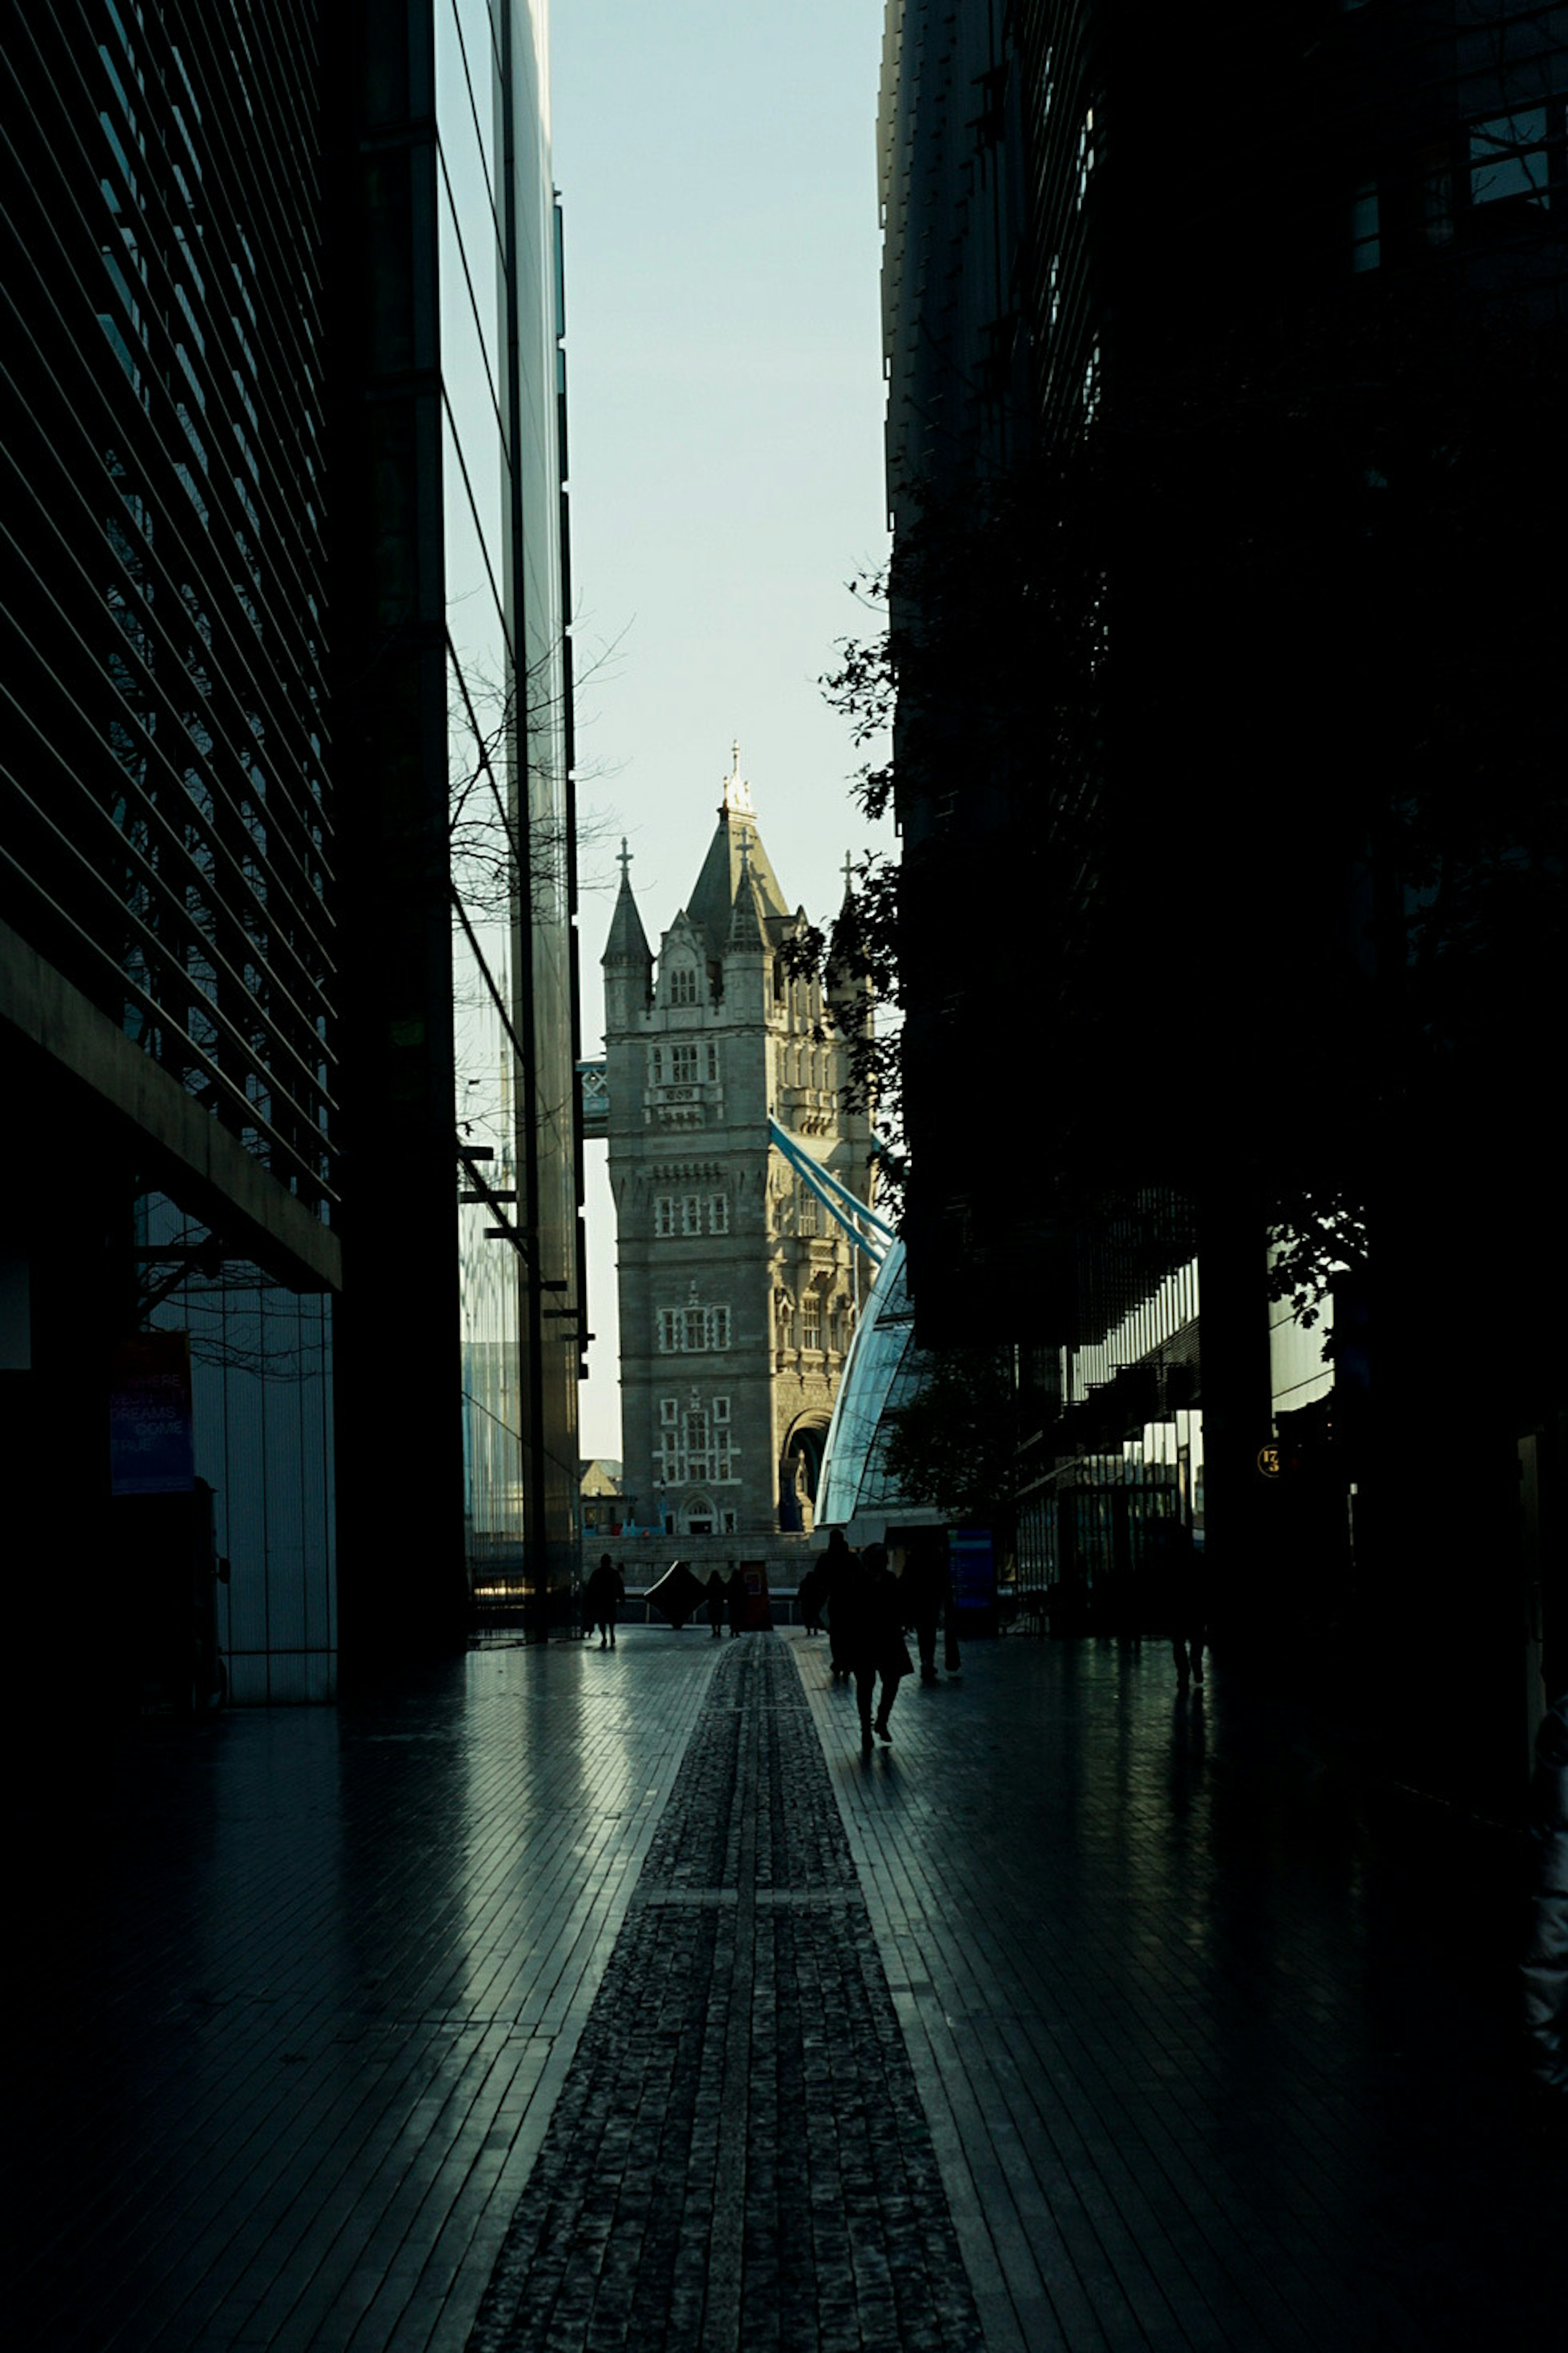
(953, 1445)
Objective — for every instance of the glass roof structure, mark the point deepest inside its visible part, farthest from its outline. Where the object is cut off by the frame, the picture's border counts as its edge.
(884, 1370)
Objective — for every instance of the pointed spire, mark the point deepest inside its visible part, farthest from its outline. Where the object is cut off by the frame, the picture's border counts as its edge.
(736, 843)
(748, 933)
(628, 942)
(737, 796)
(846, 974)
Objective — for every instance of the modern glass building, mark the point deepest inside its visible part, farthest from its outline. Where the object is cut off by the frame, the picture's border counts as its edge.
(169, 827)
(882, 1372)
(1213, 360)
(509, 700)
(453, 681)
(171, 893)
(285, 816)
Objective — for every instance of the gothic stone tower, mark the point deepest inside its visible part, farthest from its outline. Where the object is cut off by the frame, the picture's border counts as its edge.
(738, 1291)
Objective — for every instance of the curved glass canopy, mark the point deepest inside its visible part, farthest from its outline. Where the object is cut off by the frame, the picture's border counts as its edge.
(884, 1369)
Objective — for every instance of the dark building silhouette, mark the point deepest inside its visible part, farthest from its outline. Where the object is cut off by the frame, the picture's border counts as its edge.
(250, 333)
(1215, 359)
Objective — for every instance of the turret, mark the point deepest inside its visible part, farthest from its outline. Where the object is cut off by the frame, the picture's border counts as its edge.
(748, 951)
(627, 959)
(736, 1290)
(848, 983)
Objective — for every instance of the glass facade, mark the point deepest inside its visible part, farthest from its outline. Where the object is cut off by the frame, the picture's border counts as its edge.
(502, 366)
(261, 1402)
(482, 715)
(171, 887)
(883, 1370)
(166, 803)
(285, 810)
(1092, 1529)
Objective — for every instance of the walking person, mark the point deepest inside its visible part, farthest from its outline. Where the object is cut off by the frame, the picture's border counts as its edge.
(716, 1598)
(607, 1591)
(1184, 1604)
(838, 1568)
(873, 1639)
(926, 1583)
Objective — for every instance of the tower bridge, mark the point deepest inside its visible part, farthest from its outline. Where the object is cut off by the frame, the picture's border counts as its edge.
(747, 1231)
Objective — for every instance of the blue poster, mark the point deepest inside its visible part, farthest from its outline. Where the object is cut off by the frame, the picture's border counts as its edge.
(972, 1563)
(151, 1448)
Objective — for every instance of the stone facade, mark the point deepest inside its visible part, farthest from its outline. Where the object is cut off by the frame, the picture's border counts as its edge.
(738, 1292)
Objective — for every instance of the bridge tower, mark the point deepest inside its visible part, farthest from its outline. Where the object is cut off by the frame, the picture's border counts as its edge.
(727, 1080)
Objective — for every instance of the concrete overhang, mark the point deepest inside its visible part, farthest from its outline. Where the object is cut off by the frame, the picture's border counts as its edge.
(208, 1170)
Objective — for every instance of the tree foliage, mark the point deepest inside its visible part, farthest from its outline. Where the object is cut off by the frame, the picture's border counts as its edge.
(953, 1445)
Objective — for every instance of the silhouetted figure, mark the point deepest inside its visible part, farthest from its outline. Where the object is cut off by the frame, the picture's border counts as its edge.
(717, 1596)
(1186, 1603)
(873, 1639)
(808, 1595)
(927, 1584)
(607, 1591)
(735, 1592)
(836, 1567)
(1546, 1954)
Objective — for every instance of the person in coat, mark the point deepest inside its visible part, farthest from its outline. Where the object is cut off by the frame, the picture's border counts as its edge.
(607, 1591)
(836, 1567)
(1546, 1954)
(1186, 1603)
(872, 1636)
(926, 1583)
(716, 1598)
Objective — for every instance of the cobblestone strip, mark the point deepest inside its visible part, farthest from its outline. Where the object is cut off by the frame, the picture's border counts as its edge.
(738, 2156)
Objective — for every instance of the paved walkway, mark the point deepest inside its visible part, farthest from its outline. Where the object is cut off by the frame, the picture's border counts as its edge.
(558, 2005)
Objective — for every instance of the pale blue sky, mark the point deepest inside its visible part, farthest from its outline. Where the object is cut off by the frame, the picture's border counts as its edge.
(716, 159)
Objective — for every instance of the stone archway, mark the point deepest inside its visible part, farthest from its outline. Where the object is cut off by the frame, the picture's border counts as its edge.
(805, 1440)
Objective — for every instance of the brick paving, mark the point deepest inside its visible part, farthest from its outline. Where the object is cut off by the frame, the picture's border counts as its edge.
(739, 2158)
(606, 1984)
(301, 1993)
(1217, 2038)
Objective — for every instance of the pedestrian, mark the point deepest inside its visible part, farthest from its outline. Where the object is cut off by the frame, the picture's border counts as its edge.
(838, 1567)
(927, 1584)
(1546, 1954)
(808, 1594)
(1186, 1607)
(607, 1591)
(867, 1599)
(735, 1594)
(716, 1598)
